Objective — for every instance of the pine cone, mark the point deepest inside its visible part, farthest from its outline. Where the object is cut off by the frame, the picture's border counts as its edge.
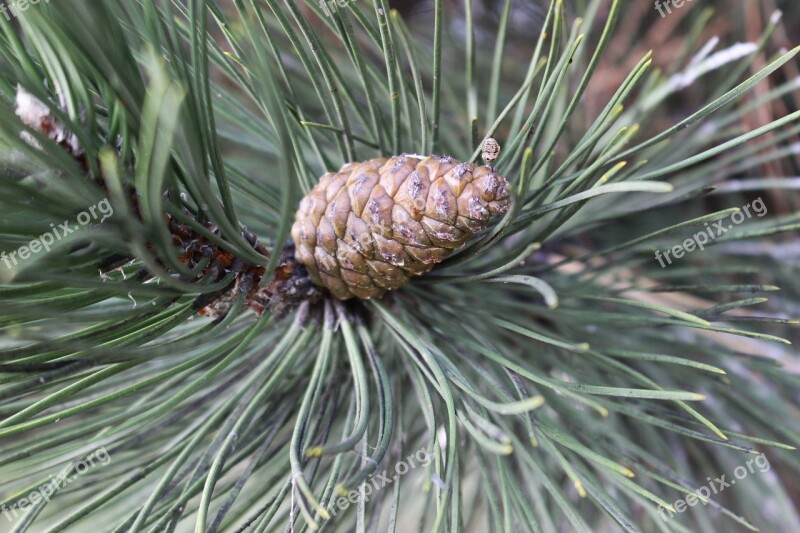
(371, 226)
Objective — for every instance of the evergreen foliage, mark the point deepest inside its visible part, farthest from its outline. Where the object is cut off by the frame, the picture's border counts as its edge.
(552, 373)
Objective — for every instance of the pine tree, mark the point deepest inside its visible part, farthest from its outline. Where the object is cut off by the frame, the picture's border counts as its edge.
(173, 358)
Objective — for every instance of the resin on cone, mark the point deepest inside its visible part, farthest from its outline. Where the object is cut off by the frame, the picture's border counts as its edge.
(371, 226)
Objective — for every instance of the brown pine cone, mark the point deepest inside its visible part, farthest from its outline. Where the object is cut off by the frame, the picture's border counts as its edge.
(371, 226)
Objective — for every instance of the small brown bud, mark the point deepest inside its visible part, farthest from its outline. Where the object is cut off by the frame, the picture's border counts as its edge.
(491, 150)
